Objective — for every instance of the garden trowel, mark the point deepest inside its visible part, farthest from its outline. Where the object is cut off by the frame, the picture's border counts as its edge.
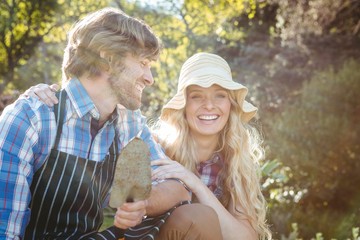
(132, 180)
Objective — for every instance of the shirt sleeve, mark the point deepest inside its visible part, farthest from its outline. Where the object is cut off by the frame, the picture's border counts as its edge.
(156, 151)
(133, 124)
(19, 153)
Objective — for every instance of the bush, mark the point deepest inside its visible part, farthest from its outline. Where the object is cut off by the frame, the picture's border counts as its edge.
(318, 138)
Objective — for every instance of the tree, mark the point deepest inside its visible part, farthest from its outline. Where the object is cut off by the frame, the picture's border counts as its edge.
(32, 28)
(23, 24)
(297, 20)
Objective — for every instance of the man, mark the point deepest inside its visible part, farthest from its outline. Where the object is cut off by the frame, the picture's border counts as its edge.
(57, 164)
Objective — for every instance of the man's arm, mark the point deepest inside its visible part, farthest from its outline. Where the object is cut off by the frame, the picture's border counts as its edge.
(166, 195)
(19, 143)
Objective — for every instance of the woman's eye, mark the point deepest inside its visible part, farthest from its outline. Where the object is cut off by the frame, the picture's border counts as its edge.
(195, 96)
(221, 95)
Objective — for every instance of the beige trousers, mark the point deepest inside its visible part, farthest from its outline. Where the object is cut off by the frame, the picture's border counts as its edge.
(191, 222)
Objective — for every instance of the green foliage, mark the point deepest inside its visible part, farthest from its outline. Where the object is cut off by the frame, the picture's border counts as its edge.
(299, 19)
(213, 23)
(294, 234)
(327, 120)
(322, 138)
(23, 24)
(355, 234)
(268, 167)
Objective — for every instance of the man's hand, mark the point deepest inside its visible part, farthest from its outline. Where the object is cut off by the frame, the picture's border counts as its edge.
(130, 214)
(44, 93)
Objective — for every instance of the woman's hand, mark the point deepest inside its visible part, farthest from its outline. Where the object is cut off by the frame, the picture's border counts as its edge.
(172, 169)
(130, 214)
(43, 92)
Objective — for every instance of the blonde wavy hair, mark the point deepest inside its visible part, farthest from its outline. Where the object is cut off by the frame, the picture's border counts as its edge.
(102, 39)
(240, 144)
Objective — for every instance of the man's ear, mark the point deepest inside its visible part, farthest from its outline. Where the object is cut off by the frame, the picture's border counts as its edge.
(105, 56)
(102, 54)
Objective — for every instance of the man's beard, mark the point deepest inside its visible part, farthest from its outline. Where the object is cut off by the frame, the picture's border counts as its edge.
(124, 92)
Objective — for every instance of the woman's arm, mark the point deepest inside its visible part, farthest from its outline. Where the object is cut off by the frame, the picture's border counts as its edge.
(43, 92)
(231, 227)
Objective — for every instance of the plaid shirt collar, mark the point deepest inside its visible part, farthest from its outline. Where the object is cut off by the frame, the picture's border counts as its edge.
(209, 173)
(82, 102)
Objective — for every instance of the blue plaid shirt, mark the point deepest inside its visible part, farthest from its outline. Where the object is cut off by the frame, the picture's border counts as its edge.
(27, 135)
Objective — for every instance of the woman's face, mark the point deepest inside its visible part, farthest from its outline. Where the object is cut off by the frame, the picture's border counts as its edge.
(207, 110)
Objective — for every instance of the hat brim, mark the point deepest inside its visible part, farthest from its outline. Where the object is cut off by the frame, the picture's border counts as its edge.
(179, 100)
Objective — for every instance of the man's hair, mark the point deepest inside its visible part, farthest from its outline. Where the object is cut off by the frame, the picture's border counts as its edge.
(102, 39)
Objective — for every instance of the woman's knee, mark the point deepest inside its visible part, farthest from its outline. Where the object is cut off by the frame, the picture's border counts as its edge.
(195, 213)
(193, 221)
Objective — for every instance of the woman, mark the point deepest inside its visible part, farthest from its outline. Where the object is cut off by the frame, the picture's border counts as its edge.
(205, 129)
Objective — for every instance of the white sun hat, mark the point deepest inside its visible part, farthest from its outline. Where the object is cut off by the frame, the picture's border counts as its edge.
(205, 69)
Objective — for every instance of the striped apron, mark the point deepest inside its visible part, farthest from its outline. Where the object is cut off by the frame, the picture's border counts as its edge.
(69, 192)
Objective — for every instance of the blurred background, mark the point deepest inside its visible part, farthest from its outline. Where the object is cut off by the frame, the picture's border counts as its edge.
(300, 60)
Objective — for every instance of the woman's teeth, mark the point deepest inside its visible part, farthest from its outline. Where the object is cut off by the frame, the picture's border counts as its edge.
(208, 117)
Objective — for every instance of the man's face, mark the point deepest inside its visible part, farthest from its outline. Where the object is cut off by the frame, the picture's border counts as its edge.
(128, 82)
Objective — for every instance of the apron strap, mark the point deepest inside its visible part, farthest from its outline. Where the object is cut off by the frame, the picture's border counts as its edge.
(59, 111)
